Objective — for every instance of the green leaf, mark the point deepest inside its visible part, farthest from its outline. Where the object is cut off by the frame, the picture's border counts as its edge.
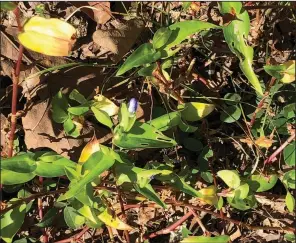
(149, 193)
(23, 240)
(220, 203)
(230, 177)
(284, 72)
(23, 163)
(11, 222)
(289, 179)
(230, 114)
(71, 173)
(289, 154)
(232, 98)
(143, 55)
(102, 117)
(166, 121)
(192, 144)
(290, 202)
(59, 108)
(126, 120)
(72, 218)
(75, 95)
(48, 218)
(161, 37)
(141, 135)
(103, 164)
(184, 231)
(184, 127)
(194, 111)
(9, 6)
(203, 157)
(23, 193)
(243, 204)
(259, 183)
(236, 33)
(203, 239)
(110, 219)
(147, 71)
(54, 169)
(9, 177)
(290, 111)
(290, 237)
(70, 128)
(79, 110)
(181, 31)
(104, 104)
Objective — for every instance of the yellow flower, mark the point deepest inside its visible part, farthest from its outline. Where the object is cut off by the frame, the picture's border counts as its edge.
(52, 37)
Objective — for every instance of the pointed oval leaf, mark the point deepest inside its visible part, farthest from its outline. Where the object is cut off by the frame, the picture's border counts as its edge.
(72, 218)
(203, 239)
(102, 117)
(230, 177)
(161, 37)
(290, 202)
(104, 104)
(143, 55)
(23, 163)
(9, 177)
(230, 114)
(260, 183)
(194, 111)
(166, 121)
(289, 154)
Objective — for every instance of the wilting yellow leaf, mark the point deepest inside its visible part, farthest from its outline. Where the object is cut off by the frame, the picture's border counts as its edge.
(53, 37)
(113, 221)
(91, 147)
(78, 121)
(209, 195)
(264, 142)
(104, 104)
(247, 141)
(195, 111)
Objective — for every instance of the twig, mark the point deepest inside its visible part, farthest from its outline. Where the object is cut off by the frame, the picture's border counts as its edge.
(40, 210)
(272, 157)
(267, 7)
(217, 215)
(76, 237)
(170, 228)
(199, 222)
(15, 89)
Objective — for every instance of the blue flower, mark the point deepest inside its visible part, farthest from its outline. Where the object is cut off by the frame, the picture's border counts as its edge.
(133, 105)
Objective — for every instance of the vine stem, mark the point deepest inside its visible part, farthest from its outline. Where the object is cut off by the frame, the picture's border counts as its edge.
(216, 215)
(170, 228)
(272, 157)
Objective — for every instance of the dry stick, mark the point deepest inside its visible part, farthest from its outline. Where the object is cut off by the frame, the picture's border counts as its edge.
(170, 228)
(206, 233)
(271, 158)
(75, 237)
(217, 215)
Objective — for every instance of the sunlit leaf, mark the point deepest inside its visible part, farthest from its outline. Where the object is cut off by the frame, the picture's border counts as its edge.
(194, 111)
(23, 163)
(59, 108)
(284, 72)
(289, 154)
(102, 117)
(264, 142)
(9, 177)
(91, 147)
(53, 37)
(290, 202)
(236, 32)
(230, 177)
(11, 221)
(166, 121)
(260, 183)
(289, 179)
(110, 219)
(161, 37)
(104, 104)
(149, 193)
(9, 6)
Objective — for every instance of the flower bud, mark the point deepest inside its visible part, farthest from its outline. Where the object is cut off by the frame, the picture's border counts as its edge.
(133, 105)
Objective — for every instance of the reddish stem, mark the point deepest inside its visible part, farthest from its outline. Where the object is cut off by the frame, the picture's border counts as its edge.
(170, 228)
(76, 237)
(272, 157)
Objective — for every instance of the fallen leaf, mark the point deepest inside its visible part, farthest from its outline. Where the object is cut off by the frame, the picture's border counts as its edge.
(120, 40)
(102, 13)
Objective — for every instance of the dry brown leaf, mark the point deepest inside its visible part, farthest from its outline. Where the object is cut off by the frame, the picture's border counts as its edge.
(102, 13)
(248, 141)
(264, 142)
(120, 40)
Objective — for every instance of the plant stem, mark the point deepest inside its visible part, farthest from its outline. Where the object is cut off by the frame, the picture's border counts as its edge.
(170, 228)
(271, 158)
(75, 237)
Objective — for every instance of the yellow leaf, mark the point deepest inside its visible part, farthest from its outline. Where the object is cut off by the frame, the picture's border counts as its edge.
(209, 195)
(104, 104)
(264, 142)
(247, 141)
(195, 111)
(113, 221)
(53, 37)
(91, 147)
(78, 121)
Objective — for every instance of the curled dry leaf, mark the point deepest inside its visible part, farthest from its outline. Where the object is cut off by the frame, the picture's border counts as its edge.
(52, 37)
(120, 40)
(91, 147)
(264, 142)
(101, 14)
